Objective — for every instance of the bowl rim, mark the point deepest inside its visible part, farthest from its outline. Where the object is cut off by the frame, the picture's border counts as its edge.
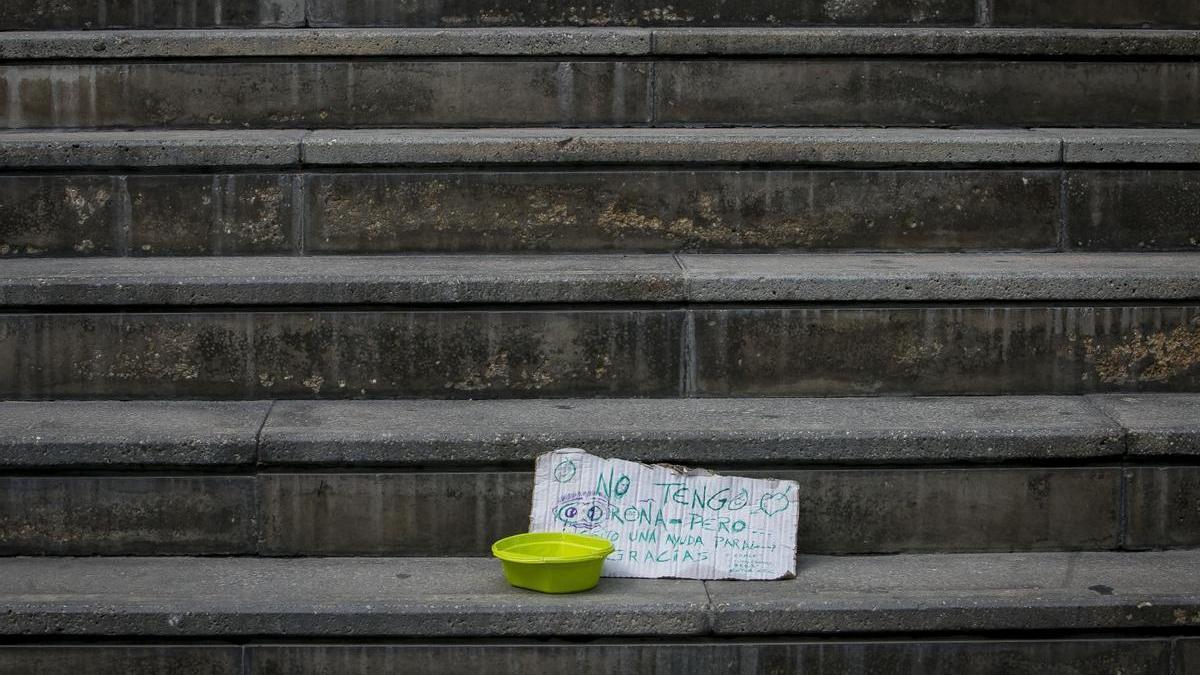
(601, 548)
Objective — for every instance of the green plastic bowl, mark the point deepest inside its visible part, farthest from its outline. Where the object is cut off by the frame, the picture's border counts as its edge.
(552, 562)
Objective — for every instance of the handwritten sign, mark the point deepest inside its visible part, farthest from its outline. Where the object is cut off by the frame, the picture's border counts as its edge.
(668, 521)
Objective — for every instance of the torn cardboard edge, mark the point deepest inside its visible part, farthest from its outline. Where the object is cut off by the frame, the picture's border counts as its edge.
(669, 521)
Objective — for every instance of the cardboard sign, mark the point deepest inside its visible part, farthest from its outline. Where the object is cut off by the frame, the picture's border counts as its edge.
(668, 521)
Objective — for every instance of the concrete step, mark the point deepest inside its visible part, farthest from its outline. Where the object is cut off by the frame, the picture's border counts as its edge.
(1129, 612)
(606, 77)
(585, 326)
(70, 193)
(81, 14)
(996, 656)
(308, 478)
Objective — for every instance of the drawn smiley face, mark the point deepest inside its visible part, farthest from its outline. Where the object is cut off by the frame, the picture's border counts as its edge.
(583, 512)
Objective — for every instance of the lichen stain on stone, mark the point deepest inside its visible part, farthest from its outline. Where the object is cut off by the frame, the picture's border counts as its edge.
(1159, 356)
(170, 356)
(666, 14)
(708, 227)
(263, 225)
(1182, 617)
(849, 9)
(405, 213)
(314, 383)
(498, 372)
(382, 213)
(86, 205)
(914, 353)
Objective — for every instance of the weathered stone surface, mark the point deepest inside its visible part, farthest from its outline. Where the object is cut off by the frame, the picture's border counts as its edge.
(61, 215)
(682, 146)
(851, 511)
(326, 43)
(342, 280)
(57, 14)
(398, 354)
(391, 514)
(1164, 507)
(478, 279)
(1133, 210)
(149, 515)
(877, 92)
(1187, 656)
(344, 597)
(966, 592)
(923, 41)
(1133, 13)
(928, 277)
(1156, 424)
(111, 434)
(910, 510)
(229, 214)
(1129, 146)
(120, 659)
(1136, 657)
(307, 94)
(454, 13)
(689, 431)
(945, 350)
(233, 214)
(673, 210)
(149, 148)
(593, 41)
(430, 598)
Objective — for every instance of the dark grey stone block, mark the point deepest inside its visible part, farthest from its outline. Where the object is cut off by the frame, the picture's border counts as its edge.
(343, 280)
(600, 278)
(126, 356)
(230, 214)
(875, 92)
(62, 215)
(1156, 424)
(81, 14)
(471, 354)
(759, 41)
(966, 593)
(148, 515)
(929, 277)
(807, 146)
(1164, 506)
(109, 434)
(852, 511)
(946, 350)
(454, 13)
(763, 39)
(1133, 210)
(328, 42)
(1000, 657)
(307, 94)
(689, 431)
(234, 214)
(929, 510)
(391, 514)
(1133, 13)
(1130, 146)
(672, 210)
(120, 659)
(148, 148)
(330, 598)
(1187, 656)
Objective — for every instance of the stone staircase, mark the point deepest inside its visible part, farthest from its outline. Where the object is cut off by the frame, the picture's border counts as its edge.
(292, 293)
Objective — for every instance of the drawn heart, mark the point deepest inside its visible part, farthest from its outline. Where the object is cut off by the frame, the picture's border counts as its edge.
(773, 502)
